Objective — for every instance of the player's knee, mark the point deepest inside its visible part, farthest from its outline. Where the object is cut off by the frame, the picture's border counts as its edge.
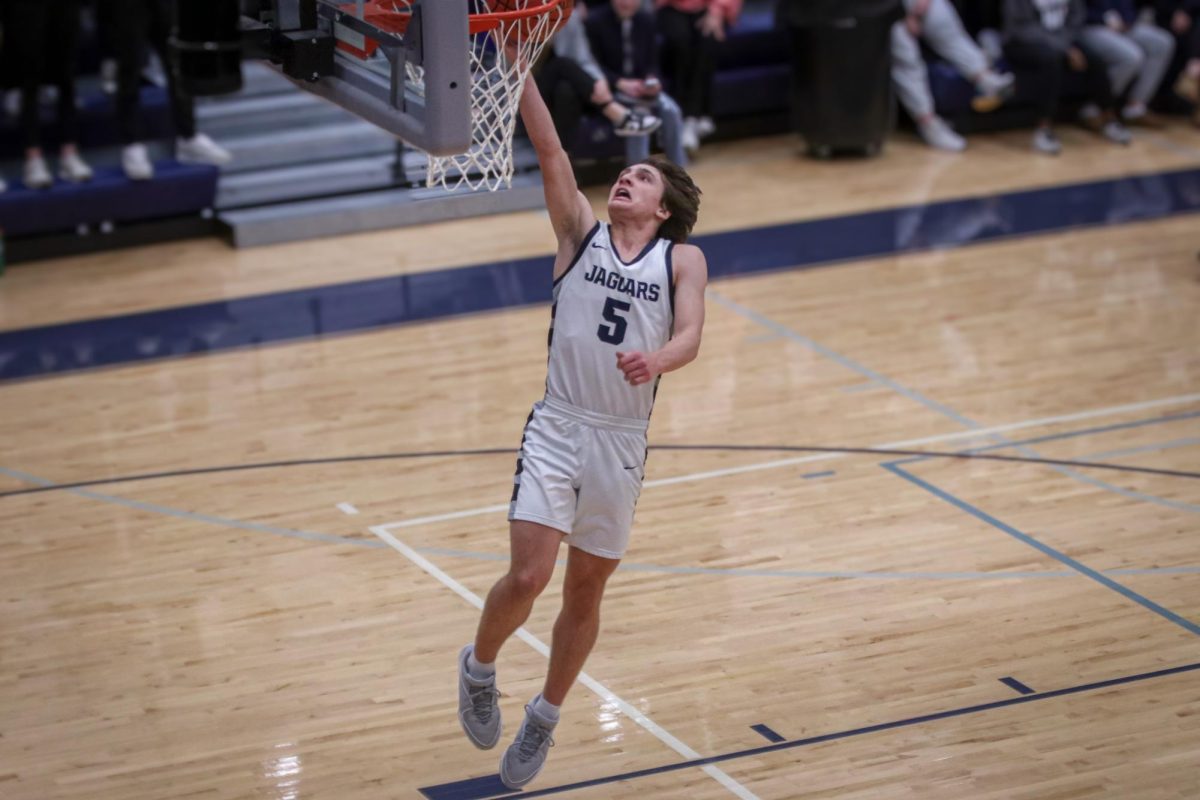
(528, 581)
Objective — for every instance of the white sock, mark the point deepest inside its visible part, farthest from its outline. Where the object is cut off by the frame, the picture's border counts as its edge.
(544, 708)
(477, 669)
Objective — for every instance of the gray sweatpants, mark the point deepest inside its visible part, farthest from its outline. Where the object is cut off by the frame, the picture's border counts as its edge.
(1143, 53)
(944, 32)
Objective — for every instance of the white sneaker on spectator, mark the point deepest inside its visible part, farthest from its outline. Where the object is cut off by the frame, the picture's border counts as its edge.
(1046, 141)
(73, 169)
(637, 124)
(705, 127)
(1116, 132)
(136, 163)
(201, 150)
(37, 174)
(939, 135)
(690, 137)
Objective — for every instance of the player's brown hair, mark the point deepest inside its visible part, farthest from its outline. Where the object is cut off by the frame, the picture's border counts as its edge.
(681, 196)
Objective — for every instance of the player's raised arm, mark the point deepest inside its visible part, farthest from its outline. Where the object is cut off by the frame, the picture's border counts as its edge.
(570, 213)
(691, 276)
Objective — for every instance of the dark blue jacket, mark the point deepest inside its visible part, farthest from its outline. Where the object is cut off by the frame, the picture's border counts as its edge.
(1097, 9)
(604, 35)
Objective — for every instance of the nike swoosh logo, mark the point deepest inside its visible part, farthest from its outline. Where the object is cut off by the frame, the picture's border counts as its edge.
(633, 467)
(598, 246)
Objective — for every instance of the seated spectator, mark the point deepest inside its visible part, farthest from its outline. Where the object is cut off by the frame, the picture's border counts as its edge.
(570, 80)
(1043, 39)
(1182, 19)
(693, 30)
(1137, 54)
(130, 25)
(937, 23)
(47, 48)
(622, 38)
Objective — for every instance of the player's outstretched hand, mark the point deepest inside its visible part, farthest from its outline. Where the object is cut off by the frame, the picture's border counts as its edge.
(638, 367)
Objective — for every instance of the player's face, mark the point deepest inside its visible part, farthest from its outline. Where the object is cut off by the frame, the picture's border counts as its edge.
(637, 193)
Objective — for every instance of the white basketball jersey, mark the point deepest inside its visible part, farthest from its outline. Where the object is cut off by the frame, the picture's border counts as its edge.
(604, 306)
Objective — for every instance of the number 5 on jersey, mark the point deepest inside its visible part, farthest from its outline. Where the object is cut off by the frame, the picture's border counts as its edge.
(615, 333)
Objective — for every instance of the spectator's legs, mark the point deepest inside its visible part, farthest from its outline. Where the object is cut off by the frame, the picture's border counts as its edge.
(637, 148)
(680, 55)
(1118, 52)
(912, 87)
(944, 32)
(1039, 78)
(125, 28)
(671, 132)
(690, 60)
(909, 75)
(1099, 86)
(183, 111)
(1159, 47)
(29, 55)
(63, 45)
(1100, 89)
(562, 98)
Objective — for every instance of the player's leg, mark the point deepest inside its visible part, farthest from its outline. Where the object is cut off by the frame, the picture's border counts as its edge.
(534, 549)
(542, 510)
(578, 622)
(575, 634)
(610, 483)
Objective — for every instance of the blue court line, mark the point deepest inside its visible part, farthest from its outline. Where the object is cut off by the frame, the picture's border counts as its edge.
(768, 734)
(358, 306)
(1088, 479)
(461, 790)
(838, 358)
(1061, 557)
(1015, 684)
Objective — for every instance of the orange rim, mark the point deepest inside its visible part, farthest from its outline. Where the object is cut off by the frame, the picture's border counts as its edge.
(397, 21)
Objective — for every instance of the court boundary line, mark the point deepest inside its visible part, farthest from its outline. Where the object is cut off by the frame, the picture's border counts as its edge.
(584, 678)
(853, 732)
(947, 412)
(1045, 549)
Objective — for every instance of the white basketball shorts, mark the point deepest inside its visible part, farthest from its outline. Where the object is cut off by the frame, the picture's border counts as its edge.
(580, 473)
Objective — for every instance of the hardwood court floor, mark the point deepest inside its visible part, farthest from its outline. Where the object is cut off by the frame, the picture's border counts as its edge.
(237, 635)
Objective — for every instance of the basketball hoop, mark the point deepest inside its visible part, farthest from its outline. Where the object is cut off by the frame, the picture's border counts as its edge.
(506, 38)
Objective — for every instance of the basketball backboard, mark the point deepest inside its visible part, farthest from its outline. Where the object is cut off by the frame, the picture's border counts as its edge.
(414, 83)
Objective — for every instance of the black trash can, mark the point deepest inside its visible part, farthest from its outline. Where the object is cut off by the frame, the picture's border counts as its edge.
(841, 72)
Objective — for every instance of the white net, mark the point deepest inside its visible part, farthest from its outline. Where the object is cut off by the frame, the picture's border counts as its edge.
(500, 62)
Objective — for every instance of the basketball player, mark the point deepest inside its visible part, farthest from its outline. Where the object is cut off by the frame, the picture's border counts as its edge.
(628, 306)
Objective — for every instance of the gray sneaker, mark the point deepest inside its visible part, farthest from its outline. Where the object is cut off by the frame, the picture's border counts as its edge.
(526, 756)
(478, 705)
